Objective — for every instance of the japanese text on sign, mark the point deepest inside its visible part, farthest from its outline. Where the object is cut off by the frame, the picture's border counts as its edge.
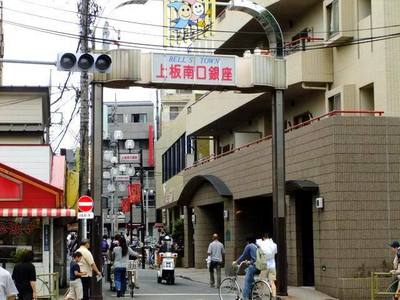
(190, 69)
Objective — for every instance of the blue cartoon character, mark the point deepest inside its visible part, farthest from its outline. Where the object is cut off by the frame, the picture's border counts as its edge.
(184, 12)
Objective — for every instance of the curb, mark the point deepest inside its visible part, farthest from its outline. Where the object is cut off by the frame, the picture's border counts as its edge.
(190, 279)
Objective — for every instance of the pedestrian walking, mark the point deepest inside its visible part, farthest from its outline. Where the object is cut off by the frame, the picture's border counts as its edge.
(75, 283)
(216, 253)
(8, 290)
(249, 255)
(87, 265)
(24, 276)
(395, 285)
(270, 249)
(121, 255)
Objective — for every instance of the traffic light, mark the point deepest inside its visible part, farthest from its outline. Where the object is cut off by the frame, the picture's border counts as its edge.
(79, 62)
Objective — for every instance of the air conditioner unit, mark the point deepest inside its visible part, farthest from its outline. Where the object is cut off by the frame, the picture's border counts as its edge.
(319, 202)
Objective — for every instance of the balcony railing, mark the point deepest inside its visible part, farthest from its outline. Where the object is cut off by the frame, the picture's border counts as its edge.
(306, 123)
(301, 44)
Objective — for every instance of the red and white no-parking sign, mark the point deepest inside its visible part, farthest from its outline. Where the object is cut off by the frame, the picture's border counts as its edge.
(85, 206)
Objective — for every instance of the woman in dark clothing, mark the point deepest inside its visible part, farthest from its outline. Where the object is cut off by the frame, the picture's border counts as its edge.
(24, 276)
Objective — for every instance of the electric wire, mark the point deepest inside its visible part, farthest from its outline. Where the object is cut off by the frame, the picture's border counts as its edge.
(73, 115)
(21, 100)
(211, 30)
(203, 49)
(102, 27)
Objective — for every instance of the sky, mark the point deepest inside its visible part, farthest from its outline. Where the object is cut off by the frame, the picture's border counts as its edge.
(32, 31)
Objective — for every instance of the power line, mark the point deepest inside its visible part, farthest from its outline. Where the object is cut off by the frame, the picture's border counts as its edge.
(21, 100)
(201, 49)
(63, 132)
(210, 30)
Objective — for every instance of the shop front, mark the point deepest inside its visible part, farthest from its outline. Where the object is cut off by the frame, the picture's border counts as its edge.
(28, 207)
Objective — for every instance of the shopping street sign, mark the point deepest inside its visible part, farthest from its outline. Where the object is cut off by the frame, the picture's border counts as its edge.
(129, 158)
(193, 69)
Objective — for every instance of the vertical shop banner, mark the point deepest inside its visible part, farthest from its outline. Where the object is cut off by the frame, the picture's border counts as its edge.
(150, 159)
(194, 69)
(134, 193)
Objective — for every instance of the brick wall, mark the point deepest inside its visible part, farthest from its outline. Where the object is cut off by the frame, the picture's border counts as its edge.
(355, 161)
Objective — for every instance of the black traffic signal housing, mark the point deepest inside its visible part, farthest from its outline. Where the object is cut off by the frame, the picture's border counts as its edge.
(80, 62)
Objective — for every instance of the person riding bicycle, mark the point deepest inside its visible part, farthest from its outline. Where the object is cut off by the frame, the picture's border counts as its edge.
(249, 254)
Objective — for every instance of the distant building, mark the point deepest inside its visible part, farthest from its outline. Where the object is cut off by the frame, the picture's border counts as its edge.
(136, 120)
(33, 212)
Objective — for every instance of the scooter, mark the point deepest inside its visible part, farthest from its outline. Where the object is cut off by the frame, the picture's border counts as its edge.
(167, 267)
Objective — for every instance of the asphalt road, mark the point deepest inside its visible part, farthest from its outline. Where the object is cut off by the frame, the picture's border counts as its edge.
(183, 289)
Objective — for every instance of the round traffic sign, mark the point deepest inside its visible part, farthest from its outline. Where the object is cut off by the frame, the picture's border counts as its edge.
(85, 203)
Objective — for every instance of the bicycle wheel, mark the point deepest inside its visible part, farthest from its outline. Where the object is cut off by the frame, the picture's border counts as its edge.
(229, 289)
(261, 290)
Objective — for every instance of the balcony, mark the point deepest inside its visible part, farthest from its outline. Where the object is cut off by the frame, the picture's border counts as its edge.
(314, 66)
(222, 103)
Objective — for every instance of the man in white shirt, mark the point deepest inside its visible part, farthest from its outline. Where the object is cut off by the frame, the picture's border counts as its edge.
(8, 291)
(268, 246)
(216, 253)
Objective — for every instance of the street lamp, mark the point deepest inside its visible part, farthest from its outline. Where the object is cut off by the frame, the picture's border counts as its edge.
(112, 157)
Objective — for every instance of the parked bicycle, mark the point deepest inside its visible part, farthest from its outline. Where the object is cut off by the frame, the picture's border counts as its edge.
(231, 290)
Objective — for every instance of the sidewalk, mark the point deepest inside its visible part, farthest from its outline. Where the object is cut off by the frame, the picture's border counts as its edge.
(295, 293)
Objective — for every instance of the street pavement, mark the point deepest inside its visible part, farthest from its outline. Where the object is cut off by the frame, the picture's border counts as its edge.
(183, 289)
(192, 284)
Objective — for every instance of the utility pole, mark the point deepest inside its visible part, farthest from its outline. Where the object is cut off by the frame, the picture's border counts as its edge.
(97, 158)
(83, 8)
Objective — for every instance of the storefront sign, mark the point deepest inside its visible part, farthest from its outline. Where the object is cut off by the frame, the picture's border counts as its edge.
(46, 237)
(121, 178)
(193, 69)
(129, 158)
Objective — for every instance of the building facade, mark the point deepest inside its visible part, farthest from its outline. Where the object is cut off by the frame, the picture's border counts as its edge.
(342, 138)
(33, 213)
(135, 120)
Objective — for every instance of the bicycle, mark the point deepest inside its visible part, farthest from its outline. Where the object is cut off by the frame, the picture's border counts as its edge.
(231, 290)
(131, 274)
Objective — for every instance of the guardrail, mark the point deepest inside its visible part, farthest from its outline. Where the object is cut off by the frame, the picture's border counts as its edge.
(381, 284)
(47, 286)
(308, 122)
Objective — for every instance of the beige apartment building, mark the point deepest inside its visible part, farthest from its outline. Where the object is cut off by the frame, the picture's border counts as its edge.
(342, 114)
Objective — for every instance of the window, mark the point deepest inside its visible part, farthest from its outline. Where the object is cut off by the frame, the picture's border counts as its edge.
(139, 118)
(21, 233)
(174, 112)
(334, 102)
(304, 117)
(367, 101)
(173, 160)
(119, 118)
(364, 9)
(333, 18)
